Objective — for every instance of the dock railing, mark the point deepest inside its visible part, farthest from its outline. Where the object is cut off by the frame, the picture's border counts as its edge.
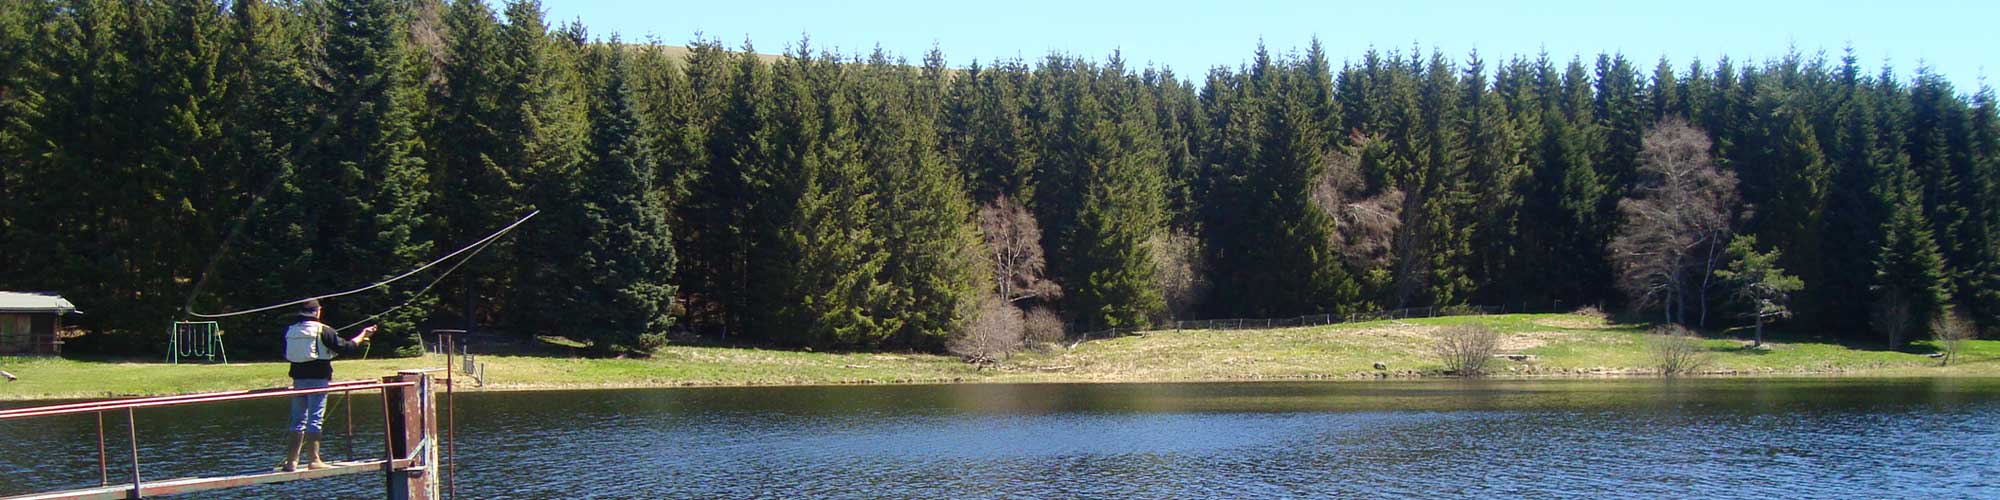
(409, 452)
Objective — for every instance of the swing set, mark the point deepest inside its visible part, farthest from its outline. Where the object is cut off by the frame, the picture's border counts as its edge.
(196, 339)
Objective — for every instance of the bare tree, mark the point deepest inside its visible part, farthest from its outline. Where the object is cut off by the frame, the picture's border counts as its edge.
(994, 333)
(1465, 349)
(1675, 350)
(1950, 331)
(1676, 224)
(1014, 243)
(1177, 267)
(1366, 223)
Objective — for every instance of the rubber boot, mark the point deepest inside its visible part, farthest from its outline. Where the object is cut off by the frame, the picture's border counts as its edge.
(311, 457)
(291, 463)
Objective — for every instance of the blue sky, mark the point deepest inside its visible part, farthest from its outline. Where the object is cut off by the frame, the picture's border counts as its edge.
(1958, 39)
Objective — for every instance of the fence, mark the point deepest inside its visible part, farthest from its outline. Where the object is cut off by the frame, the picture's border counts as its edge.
(456, 347)
(1298, 321)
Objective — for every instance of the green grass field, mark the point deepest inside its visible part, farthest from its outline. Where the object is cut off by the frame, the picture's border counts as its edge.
(1562, 345)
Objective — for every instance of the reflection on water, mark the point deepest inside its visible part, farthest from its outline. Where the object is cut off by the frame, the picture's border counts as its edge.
(1576, 438)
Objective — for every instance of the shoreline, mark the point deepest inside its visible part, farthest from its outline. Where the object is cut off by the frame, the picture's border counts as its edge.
(1535, 347)
(1872, 374)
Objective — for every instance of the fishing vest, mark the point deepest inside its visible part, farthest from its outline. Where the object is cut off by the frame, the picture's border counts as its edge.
(302, 342)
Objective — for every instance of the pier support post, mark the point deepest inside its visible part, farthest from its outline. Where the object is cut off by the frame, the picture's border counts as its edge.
(413, 436)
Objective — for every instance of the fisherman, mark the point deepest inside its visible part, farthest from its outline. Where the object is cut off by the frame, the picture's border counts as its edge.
(310, 345)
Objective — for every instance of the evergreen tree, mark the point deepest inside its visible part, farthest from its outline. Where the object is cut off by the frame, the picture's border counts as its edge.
(367, 185)
(1854, 214)
(683, 126)
(1760, 284)
(823, 286)
(271, 125)
(922, 211)
(1434, 243)
(1565, 195)
(1266, 166)
(627, 254)
(1496, 172)
(1619, 110)
(716, 212)
(1911, 285)
(1785, 183)
(476, 153)
(552, 115)
(1664, 95)
(1983, 299)
(1941, 157)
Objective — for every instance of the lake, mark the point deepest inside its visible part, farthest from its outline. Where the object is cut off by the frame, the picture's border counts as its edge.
(1616, 438)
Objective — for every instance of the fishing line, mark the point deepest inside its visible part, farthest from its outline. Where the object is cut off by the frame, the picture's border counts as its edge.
(476, 244)
(420, 292)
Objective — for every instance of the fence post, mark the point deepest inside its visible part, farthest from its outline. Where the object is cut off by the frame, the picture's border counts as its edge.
(412, 431)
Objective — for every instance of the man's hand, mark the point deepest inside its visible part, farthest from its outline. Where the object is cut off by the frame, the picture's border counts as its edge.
(365, 333)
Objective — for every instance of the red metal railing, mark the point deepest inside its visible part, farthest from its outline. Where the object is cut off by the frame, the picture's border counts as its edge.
(131, 405)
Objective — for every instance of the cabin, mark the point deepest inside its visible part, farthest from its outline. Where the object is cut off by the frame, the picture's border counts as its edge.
(31, 322)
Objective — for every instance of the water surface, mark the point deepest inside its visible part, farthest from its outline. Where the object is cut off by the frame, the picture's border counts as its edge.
(1639, 438)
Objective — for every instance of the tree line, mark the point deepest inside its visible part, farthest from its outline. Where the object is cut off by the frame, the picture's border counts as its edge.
(820, 199)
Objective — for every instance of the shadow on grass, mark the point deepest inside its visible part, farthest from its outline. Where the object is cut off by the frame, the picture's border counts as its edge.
(1746, 349)
(1747, 334)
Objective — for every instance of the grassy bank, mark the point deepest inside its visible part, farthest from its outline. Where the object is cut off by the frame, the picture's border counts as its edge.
(1560, 345)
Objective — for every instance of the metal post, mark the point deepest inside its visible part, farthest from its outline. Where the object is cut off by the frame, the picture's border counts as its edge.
(450, 431)
(348, 397)
(132, 427)
(103, 475)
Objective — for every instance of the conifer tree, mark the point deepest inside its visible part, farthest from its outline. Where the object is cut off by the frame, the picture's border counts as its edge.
(823, 286)
(1266, 166)
(1433, 245)
(1619, 110)
(1122, 208)
(1760, 284)
(1495, 170)
(1942, 159)
(622, 264)
(1854, 212)
(477, 154)
(1565, 194)
(716, 213)
(555, 125)
(270, 125)
(922, 212)
(1983, 303)
(1663, 94)
(367, 183)
(1911, 283)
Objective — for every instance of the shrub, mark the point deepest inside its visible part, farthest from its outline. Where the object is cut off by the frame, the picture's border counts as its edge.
(1950, 331)
(1465, 349)
(993, 334)
(1043, 328)
(1675, 350)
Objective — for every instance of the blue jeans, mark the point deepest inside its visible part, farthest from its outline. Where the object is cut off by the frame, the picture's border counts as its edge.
(308, 411)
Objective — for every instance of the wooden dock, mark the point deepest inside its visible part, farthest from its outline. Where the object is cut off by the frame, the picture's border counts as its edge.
(409, 456)
(199, 484)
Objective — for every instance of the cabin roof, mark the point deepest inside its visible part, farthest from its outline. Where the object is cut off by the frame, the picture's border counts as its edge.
(34, 302)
